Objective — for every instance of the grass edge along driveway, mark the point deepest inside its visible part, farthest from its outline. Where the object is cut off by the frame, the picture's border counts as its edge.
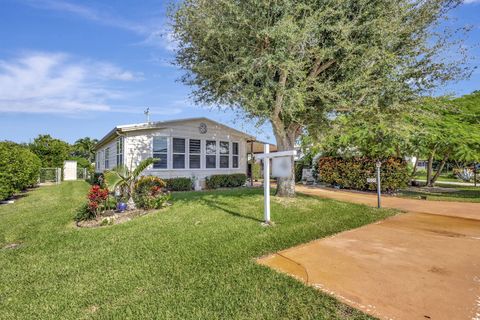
(194, 260)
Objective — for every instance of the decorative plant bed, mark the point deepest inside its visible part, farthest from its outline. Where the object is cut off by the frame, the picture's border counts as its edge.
(111, 217)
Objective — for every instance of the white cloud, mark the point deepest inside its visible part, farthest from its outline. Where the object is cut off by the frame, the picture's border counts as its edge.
(56, 83)
(153, 31)
(88, 13)
(112, 72)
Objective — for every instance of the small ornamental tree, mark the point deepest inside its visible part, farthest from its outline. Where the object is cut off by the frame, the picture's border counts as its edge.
(296, 62)
(123, 178)
(446, 129)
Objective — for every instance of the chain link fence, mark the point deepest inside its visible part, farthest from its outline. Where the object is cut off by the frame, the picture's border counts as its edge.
(50, 175)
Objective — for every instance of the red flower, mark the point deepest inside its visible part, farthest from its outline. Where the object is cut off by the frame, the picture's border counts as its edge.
(96, 196)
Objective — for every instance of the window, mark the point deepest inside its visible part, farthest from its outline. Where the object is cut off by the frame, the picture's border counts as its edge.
(160, 152)
(178, 153)
(120, 141)
(97, 162)
(224, 154)
(107, 158)
(211, 154)
(235, 154)
(194, 149)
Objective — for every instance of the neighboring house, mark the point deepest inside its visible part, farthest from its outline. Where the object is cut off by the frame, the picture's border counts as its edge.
(421, 164)
(196, 148)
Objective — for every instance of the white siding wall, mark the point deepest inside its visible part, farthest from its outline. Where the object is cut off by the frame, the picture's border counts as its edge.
(138, 146)
(112, 159)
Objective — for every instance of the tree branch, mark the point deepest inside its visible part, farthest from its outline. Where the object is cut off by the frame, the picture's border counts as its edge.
(318, 67)
(279, 94)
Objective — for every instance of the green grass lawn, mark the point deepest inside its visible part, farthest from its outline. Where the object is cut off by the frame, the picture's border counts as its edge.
(460, 193)
(194, 260)
(444, 178)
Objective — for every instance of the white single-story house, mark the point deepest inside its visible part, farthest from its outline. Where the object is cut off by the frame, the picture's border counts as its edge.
(195, 148)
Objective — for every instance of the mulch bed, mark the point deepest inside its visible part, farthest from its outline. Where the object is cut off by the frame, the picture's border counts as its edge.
(112, 217)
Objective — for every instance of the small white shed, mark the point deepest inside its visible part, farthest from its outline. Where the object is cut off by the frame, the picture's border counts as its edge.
(70, 170)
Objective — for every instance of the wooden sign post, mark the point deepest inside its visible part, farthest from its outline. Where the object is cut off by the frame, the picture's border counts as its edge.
(281, 168)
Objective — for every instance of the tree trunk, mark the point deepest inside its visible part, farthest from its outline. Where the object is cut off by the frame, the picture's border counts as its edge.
(415, 166)
(130, 203)
(285, 138)
(430, 168)
(439, 171)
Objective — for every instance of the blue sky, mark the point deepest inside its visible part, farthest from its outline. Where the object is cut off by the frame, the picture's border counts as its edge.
(76, 69)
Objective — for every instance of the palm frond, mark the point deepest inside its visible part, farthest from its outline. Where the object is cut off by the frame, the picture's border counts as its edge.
(142, 166)
(112, 179)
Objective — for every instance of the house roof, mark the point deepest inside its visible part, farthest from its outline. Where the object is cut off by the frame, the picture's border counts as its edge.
(158, 125)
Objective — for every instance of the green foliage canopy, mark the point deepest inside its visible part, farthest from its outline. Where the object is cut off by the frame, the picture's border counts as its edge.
(85, 148)
(293, 62)
(52, 152)
(19, 168)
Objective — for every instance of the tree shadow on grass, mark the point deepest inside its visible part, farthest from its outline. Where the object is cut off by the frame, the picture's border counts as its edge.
(216, 203)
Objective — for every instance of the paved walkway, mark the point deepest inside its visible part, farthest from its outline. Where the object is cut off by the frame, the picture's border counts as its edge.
(411, 266)
(469, 210)
(453, 183)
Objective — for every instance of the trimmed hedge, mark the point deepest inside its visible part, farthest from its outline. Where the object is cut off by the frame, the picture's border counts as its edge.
(352, 173)
(226, 180)
(179, 184)
(19, 169)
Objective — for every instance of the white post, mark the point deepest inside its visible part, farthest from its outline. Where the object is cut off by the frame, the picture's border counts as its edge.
(266, 183)
(379, 188)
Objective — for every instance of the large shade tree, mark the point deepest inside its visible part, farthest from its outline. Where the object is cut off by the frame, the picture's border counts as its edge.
(295, 62)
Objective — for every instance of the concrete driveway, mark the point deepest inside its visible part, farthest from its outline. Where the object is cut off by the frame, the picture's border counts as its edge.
(415, 265)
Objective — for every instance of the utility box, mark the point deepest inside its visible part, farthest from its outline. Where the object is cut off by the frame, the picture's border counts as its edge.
(70, 170)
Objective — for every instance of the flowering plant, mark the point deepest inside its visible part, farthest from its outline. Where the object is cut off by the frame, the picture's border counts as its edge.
(97, 197)
(149, 193)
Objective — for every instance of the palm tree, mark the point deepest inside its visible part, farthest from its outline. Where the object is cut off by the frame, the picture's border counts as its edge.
(123, 178)
(85, 147)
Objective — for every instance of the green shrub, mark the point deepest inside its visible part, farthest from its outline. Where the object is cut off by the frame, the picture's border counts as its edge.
(81, 162)
(352, 173)
(298, 171)
(226, 180)
(97, 179)
(84, 213)
(19, 169)
(256, 171)
(179, 184)
(149, 193)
